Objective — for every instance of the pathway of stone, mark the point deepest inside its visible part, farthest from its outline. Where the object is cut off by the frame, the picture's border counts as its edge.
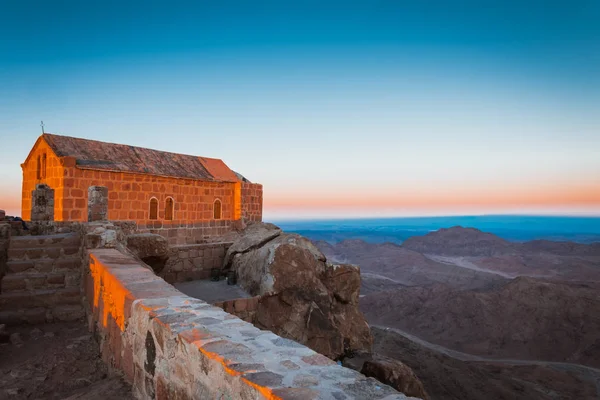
(211, 291)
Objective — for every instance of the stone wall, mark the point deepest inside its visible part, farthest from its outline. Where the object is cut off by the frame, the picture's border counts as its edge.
(193, 262)
(252, 201)
(129, 196)
(171, 346)
(187, 233)
(245, 308)
(42, 206)
(97, 203)
(42, 280)
(5, 229)
(53, 177)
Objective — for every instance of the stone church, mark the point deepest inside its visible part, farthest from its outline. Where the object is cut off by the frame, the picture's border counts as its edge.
(155, 189)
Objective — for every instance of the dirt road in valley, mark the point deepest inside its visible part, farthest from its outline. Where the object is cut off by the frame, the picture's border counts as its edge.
(583, 372)
(463, 263)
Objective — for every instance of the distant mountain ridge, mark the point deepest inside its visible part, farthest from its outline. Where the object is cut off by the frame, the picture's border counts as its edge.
(514, 228)
(479, 257)
(461, 241)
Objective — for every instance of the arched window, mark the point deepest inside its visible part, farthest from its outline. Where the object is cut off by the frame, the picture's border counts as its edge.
(44, 165)
(39, 167)
(169, 209)
(217, 209)
(153, 208)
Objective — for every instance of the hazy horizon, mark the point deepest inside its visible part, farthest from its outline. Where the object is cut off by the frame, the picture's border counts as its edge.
(396, 230)
(335, 217)
(340, 109)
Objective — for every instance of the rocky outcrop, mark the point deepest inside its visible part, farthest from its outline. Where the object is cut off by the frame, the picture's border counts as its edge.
(389, 371)
(303, 297)
(253, 237)
(396, 374)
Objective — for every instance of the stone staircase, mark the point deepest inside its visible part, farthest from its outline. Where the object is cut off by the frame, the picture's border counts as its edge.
(42, 281)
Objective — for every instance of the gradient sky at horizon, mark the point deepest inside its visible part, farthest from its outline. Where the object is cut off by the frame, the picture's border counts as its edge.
(339, 108)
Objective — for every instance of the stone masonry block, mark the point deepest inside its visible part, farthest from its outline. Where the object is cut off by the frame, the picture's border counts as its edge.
(11, 283)
(35, 315)
(42, 208)
(44, 265)
(67, 263)
(36, 282)
(19, 266)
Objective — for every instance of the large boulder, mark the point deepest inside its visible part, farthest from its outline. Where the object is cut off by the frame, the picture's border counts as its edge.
(396, 374)
(389, 371)
(303, 297)
(253, 237)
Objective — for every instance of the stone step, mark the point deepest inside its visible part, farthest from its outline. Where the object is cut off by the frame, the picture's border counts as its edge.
(27, 282)
(46, 298)
(64, 263)
(39, 253)
(40, 315)
(58, 240)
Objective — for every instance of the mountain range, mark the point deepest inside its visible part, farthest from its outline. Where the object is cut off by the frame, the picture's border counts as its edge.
(485, 304)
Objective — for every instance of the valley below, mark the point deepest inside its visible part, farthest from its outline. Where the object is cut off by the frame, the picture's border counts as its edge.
(479, 317)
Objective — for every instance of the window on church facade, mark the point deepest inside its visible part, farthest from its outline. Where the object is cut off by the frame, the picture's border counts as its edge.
(217, 209)
(169, 206)
(153, 208)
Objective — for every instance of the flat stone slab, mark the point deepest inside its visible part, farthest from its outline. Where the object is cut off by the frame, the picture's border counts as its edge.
(211, 291)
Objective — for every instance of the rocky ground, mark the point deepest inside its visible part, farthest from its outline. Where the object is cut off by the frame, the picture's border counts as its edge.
(473, 292)
(406, 267)
(526, 319)
(55, 361)
(565, 261)
(446, 378)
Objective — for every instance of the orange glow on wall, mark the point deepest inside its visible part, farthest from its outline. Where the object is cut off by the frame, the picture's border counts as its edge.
(53, 176)
(109, 290)
(129, 193)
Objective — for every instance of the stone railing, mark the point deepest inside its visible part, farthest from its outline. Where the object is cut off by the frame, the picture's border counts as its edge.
(243, 308)
(173, 346)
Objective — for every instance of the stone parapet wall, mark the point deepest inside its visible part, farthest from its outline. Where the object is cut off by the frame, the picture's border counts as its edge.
(193, 262)
(52, 227)
(244, 308)
(252, 201)
(171, 346)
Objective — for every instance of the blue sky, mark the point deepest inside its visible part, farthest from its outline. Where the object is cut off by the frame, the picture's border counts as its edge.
(349, 108)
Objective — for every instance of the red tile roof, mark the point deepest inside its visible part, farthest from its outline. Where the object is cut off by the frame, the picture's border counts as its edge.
(96, 155)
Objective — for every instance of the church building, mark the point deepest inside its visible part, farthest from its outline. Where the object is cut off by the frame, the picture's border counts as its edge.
(156, 189)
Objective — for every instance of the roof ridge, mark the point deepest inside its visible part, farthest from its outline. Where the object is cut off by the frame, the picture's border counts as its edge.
(101, 155)
(128, 145)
